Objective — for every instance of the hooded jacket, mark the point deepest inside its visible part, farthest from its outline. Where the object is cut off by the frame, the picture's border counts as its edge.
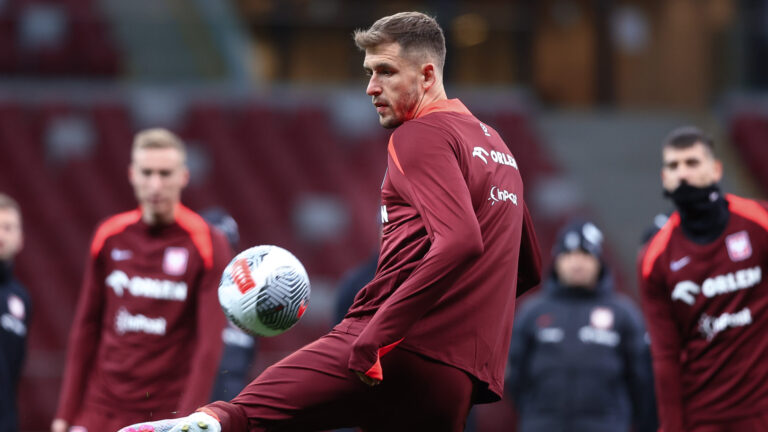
(579, 361)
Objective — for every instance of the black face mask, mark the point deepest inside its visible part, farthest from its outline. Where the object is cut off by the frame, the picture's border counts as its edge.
(703, 211)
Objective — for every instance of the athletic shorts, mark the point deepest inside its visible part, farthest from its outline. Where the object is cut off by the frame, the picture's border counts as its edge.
(312, 389)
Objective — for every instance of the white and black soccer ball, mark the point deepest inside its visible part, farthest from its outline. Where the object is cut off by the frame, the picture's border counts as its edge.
(264, 290)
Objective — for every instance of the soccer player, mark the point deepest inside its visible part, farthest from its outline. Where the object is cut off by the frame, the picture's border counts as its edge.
(704, 297)
(429, 335)
(146, 337)
(579, 360)
(15, 310)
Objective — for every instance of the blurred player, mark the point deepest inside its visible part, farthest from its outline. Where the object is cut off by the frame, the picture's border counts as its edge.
(578, 334)
(146, 338)
(429, 335)
(15, 310)
(351, 283)
(704, 297)
(239, 347)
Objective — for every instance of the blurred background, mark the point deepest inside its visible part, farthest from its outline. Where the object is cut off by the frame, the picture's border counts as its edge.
(270, 97)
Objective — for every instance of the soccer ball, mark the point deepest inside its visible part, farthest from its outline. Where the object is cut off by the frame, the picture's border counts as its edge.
(264, 290)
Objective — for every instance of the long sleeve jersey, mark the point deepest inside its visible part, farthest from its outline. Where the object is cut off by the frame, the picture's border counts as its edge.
(457, 245)
(147, 331)
(706, 308)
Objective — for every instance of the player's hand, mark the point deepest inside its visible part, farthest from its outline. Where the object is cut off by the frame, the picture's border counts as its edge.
(59, 425)
(368, 380)
(197, 422)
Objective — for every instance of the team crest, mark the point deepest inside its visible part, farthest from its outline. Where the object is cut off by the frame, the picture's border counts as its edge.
(175, 261)
(16, 307)
(739, 246)
(601, 318)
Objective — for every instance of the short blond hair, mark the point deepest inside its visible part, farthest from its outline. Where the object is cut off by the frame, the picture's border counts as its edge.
(158, 138)
(413, 31)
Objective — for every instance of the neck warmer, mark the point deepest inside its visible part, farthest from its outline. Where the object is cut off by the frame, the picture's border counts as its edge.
(703, 211)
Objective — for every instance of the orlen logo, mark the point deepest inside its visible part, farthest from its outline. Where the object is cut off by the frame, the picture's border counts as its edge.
(686, 291)
(498, 157)
(146, 287)
(500, 195)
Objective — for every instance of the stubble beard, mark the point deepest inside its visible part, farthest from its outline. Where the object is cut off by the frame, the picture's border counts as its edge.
(411, 101)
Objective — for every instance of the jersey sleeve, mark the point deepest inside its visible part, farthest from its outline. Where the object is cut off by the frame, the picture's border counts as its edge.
(84, 339)
(210, 322)
(665, 349)
(424, 169)
(529, 262)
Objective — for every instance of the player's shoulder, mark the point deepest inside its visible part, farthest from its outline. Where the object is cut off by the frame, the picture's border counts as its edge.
(206, 239)
(191, 221)
(111, 226)
(655, 248)
(750, 209)
(16, 287)
(415, 141)
(427, 128)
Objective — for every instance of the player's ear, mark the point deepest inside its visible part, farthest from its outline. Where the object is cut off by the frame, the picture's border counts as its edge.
(185, 177)
(21, 234)
(428, 77)
(718, 174)
(131, 174)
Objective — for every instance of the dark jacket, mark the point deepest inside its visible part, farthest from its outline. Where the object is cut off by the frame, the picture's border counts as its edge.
(15, 310)
(579, 361)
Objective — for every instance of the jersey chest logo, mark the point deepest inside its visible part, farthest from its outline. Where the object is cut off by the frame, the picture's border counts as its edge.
(175, 261)
(14, 320)
(601, 318)
(499, 195)
(497, 157)
(739, 246)
(16, 306)
(686, 291)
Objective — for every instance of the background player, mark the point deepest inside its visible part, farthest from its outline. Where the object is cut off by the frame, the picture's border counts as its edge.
(146, 338)
(15, 311)
(577, 333)
(429, 335)
(239, 347)
(704, 297)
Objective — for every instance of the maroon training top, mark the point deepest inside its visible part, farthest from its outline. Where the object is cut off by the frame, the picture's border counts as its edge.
(147, 331)
(457, 244)
(706, 308)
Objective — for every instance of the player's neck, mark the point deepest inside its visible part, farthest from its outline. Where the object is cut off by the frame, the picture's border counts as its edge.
(158, 219)
(435, 94)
